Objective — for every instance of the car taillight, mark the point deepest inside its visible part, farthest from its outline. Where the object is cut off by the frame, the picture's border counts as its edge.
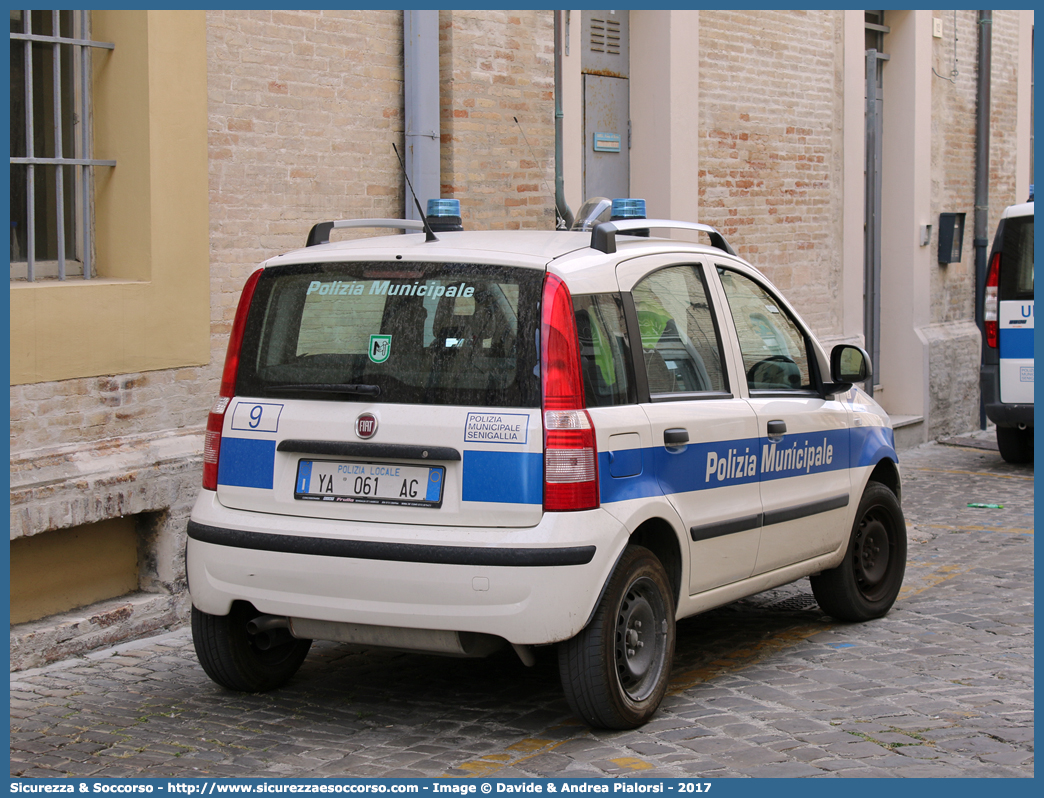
(570, 451)
(216, 419)
(991, 303)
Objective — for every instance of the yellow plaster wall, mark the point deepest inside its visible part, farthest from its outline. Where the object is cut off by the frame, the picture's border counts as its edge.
(59, 571)
(150, 307)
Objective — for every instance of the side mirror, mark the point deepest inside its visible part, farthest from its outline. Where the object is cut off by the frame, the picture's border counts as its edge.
(848, 364)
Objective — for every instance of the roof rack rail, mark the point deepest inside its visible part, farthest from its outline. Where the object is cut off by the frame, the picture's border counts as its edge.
(320, 233)
(603, 237)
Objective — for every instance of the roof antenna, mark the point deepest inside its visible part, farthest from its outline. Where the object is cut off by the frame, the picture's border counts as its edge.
(559, 219)
(428, 234)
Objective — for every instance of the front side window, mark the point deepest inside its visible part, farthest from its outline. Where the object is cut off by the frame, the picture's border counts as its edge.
(402, 333)
(774, 349)
(680, 343)
(51, 144)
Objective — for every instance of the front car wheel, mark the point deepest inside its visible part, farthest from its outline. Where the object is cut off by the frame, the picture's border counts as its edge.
(867, 581)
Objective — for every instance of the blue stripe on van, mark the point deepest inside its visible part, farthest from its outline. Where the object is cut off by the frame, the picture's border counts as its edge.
(246, 463)
(505, 477)
(1016, 344)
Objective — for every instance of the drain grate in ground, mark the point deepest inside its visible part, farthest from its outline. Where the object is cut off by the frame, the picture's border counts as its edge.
(794, 603)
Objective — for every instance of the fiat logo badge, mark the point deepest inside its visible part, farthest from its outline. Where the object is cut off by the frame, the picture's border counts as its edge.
(366, 425)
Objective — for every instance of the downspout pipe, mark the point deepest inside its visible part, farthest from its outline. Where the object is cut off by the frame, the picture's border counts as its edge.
(982, 171)
(560, 201)
(420, 62)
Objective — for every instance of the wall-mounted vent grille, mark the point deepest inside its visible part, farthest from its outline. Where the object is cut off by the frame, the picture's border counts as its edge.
(605, 36)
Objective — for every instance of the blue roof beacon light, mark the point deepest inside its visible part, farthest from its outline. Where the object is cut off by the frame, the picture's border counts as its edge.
(628, 208)
(443, 215)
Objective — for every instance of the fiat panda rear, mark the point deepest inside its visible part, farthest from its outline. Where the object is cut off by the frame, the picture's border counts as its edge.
(379, 466)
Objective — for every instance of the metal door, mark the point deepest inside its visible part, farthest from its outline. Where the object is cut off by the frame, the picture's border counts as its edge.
(605, 66)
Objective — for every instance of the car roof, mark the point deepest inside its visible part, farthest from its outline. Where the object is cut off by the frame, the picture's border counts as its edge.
(1022, 209)
(526, 248)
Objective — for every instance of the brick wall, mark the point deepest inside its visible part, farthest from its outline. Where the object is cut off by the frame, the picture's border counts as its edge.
(494, 66)
(770, 148)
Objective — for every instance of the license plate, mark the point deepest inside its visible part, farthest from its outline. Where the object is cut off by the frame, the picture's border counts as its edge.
(369, 483)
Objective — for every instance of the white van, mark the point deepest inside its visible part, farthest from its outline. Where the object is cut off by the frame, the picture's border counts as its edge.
(1006, 377)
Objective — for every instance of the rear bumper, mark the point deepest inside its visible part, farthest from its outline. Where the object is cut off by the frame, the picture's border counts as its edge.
(1000, 413)
(531, 586)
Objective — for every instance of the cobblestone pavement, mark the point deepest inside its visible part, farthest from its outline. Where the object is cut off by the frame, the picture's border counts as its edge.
(769, 686)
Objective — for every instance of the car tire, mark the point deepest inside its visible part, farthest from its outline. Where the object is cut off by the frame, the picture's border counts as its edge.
(866, 583)
(1016, 445)
(615, 671)
(238, 660)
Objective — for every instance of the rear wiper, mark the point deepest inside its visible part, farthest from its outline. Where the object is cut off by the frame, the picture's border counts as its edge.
(360, 389)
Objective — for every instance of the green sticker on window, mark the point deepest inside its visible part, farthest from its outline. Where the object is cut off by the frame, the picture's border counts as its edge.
(380, 348)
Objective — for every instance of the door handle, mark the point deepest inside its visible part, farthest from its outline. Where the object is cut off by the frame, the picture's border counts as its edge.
(776, 430)
(675, 437)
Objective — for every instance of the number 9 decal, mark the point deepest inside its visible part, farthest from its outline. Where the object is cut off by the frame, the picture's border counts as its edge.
(256, 417)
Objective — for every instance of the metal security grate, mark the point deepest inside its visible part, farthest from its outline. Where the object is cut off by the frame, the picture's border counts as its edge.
(51, 144)
(605, 36)
(798, 603)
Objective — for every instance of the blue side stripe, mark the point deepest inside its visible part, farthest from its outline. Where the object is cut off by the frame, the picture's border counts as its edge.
(517, 477)
(871, 445)
(506, 477)
(1016, 344)
(699, 466)
(246, 463)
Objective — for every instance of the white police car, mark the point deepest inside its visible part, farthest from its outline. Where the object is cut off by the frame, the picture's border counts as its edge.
(1006, 376)
(455, 441)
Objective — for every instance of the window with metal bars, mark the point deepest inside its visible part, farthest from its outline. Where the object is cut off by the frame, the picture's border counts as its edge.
(51, 145)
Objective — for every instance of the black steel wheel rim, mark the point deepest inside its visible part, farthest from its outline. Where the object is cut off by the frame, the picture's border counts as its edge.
(641, 639)
(874, 549)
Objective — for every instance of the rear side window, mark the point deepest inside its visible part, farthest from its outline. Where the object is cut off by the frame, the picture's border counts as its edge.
(604, 351)
(1017, 258)
(680, 343)
(403, 333)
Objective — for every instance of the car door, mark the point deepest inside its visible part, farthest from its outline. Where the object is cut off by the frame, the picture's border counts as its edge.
(704, 440)
(803, 438)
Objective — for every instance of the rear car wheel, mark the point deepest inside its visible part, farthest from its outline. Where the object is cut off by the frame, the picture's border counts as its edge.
(1016, 445)
(615, 671)
(239, 660)
(867, 581)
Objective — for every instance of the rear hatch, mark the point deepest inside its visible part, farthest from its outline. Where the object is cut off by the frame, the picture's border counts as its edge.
(1016, 309)
(389, 392)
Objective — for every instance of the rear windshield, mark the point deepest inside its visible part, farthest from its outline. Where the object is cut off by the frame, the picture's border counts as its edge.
(1017, 258)
(402, 333)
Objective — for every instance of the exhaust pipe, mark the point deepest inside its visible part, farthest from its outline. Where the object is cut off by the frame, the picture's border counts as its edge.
(266, 623)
